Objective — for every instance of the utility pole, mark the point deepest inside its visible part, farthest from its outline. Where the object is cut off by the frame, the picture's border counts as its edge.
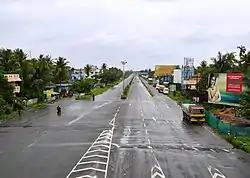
(30, 54)
(123, 64)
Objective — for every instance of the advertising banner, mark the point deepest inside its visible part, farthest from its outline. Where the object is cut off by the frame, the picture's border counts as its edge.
(163, 70)
(225, 88)
(177, 75)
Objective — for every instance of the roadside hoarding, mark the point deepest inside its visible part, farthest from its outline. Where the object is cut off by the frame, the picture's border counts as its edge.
(177, 76)
(225, 88)
(172, 87)
(163, 70)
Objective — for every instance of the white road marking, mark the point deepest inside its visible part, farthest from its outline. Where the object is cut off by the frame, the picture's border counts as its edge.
(102, 144)
(226, 150)
(210, 131)
(77, 119)
(217, 173)
(144, 125)
(162, 114)
(196, 149)
(154, 118)
(167, 106)
(114, 144)
(156, 170)
(33, 143)
(83, 114)
(146, 132)
(130, 104)
(213, 150)
(129, 132)
(99, 106)
(149, 142)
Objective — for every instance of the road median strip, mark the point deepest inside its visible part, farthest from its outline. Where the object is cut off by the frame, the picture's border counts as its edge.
(126, 89)
(146, 86)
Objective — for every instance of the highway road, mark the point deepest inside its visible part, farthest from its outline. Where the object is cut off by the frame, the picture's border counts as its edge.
(141, 137)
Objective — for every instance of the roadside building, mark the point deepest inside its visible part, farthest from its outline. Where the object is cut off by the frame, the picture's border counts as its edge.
(15, 81)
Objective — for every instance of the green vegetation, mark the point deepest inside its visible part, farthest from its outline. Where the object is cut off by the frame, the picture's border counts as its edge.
(35, 73)
(239, 142)
(37, 105)
(178, 97)
(229, 63)
(126, 90)
(108, 78)
(84, 97)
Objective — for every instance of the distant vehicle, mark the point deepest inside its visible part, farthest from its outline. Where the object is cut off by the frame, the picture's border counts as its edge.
(160, 88)
(193, 113)
(150, 81)
(165, 91)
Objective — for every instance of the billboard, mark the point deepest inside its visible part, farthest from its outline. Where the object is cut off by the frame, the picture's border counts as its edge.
(163, 70)
(166, 78)
(225, 88)
(177, 76)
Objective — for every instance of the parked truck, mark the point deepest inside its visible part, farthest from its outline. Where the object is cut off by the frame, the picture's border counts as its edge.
(193, 113)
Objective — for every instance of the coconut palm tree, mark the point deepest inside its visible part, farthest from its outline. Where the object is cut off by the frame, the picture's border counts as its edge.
(104, 67)
(87, 69)
(61, 73)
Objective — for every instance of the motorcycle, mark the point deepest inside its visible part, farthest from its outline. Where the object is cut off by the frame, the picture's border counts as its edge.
(59, 111)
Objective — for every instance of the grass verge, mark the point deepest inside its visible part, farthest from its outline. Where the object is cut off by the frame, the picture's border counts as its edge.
(178, 97)
(146, 86)
(8, 116)
(37, 105)
(126, 90)
(83, 97)
(239, 142)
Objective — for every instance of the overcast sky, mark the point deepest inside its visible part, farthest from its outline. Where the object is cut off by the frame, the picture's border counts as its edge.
(141, 32)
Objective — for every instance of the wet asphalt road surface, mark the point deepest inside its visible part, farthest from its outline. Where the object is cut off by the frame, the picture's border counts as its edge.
(141, 137)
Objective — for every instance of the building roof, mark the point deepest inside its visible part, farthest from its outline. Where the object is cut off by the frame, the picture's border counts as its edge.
(12, 77)
(63, 84)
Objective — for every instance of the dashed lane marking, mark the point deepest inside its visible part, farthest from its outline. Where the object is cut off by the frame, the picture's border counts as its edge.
(213, 150)
(167, 106)
(146, 131)
(154, 118)
(144, 125)
(149, 142)
(33, 143)
(196, 149)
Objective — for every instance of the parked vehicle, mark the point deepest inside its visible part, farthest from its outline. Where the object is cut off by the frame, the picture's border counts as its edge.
(165, 91)
(193, 113)
(160, 88)
(150, 81)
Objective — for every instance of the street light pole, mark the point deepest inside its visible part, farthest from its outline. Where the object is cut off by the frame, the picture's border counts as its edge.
(123, 64)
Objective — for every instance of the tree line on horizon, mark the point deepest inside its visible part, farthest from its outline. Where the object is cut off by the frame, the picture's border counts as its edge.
(37, 73)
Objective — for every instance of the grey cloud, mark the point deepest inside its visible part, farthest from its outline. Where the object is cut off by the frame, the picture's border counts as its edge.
(142, 32)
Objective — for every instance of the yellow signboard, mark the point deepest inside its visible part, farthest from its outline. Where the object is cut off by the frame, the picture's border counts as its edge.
(162, 70)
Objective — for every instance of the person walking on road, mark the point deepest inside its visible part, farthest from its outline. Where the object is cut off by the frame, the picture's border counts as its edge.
(93, 97)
